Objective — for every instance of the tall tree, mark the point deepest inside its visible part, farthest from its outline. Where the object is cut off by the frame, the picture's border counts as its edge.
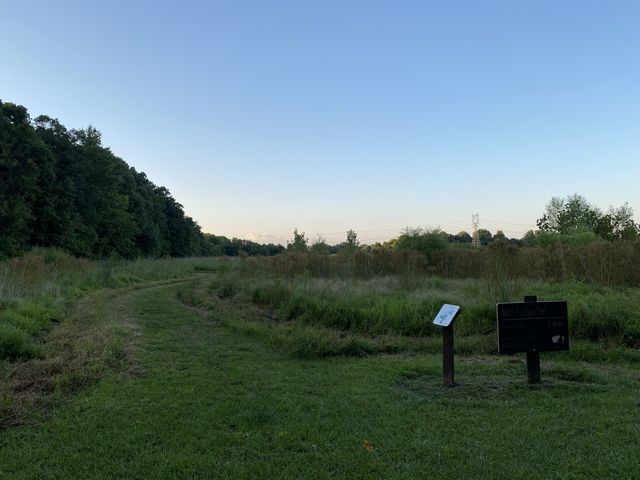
(299, 242)
(63, 188)
(575, 214)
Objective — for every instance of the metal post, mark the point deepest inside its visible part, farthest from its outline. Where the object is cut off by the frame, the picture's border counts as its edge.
(447, 356)
(533, 367)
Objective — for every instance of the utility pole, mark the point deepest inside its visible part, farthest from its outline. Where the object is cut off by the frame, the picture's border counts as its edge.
(475, 221)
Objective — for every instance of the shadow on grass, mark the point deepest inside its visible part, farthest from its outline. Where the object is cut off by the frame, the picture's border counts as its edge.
(502, 380)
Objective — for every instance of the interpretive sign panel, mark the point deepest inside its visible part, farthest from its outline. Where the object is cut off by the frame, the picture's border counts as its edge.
(532, 327)
(446, 315)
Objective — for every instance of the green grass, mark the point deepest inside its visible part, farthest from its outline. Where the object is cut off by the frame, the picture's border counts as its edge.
(387, 305)
(36, 290)
(218, 399)
(233, 373)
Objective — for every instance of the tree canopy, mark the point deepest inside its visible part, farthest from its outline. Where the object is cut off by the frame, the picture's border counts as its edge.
(299, 242)
(423, 240)
(63, 188)
(575, 214)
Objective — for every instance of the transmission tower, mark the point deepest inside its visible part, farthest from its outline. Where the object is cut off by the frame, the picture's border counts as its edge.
(475, 222)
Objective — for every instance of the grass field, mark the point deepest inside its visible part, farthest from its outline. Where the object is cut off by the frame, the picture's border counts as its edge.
(36, 290)
(391, 312)
(198, 377)
(216, 369)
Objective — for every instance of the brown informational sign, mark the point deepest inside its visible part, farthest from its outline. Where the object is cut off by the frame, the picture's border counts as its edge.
(532, 327)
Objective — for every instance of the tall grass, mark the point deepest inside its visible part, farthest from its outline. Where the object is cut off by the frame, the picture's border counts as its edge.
(43, 271)
(52, 271)
(397, 292)
(606, 263)
(369, 293)
(387, 305)
(35, 288)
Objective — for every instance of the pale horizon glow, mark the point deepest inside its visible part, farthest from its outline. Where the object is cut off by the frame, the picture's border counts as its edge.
(262, 117)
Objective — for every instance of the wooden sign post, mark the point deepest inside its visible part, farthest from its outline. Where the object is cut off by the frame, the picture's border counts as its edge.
(533, 357)
(532, 327)
(445, 318)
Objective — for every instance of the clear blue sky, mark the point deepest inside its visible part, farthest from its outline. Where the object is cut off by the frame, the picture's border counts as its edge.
(262, 116)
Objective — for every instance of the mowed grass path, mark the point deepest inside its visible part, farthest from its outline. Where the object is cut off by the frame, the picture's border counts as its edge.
(215, 403)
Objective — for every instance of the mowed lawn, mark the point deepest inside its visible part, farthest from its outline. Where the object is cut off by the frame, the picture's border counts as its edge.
(212, 402)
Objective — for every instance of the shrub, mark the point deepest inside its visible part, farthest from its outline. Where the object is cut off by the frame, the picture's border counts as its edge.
(228, 289)
(27, 324)
(16, 343)
(423, 240)
(273, 294)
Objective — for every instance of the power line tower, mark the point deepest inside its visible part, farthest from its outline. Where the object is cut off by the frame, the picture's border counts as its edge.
(475, 222)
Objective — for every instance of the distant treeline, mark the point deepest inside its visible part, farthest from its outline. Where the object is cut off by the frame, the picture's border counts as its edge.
(220, 246)
(62, 188)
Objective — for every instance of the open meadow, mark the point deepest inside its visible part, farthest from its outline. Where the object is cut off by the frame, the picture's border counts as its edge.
(319, 240)
(271, 368)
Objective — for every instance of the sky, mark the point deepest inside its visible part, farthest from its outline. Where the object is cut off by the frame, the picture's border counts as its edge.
(265, 116)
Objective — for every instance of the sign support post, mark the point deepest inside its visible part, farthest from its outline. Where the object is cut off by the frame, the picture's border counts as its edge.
(447, 356)
(444, 319)
(533, 367)
(533, 357)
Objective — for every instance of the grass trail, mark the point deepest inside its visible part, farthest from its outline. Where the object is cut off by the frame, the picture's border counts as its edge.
(215, 403)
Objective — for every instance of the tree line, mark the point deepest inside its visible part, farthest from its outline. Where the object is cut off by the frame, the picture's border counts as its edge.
(219, 246)
(63, 188)
(571, 220)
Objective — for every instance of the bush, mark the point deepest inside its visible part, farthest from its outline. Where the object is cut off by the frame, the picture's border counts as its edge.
(228, 288)
(16, 343)
(423, 240)
(27, 324)
(273, 295)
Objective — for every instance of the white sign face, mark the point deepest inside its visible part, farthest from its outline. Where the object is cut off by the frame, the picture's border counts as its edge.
(446, 315)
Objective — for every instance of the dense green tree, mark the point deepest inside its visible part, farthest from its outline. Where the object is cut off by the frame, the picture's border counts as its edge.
(299, 242)
(68, 231)
(351, 244)
(64, 188)
(352, 238)
(574, 214)
(529, 239)
(485, 236)
(21, 153)
(617, 223)
(218, 245)
(499, 236)
(460, 238)
(423, 240)
(319, 246)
